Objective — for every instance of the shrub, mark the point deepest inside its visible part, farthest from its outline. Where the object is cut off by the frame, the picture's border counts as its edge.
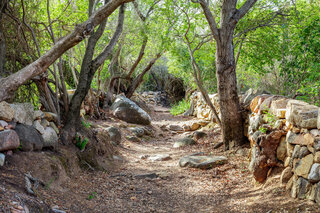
(180, 107)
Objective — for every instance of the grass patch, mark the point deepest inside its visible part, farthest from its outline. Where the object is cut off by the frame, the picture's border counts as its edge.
(180, 107)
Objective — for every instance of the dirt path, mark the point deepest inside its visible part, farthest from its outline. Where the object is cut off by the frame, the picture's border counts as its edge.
(141, 185)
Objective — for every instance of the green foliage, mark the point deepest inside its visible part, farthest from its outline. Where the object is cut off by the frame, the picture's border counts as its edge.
(86, 124)
(92, 195)
(81, 142)
(180, 107)
(263, 130)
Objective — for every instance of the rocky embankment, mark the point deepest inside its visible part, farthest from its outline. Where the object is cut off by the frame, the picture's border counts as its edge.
(21, 127)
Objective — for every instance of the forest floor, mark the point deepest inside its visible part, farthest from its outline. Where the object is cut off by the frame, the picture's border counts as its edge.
(141, 185)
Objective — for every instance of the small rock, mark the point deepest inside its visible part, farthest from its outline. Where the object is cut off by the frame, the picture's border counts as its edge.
(30, 138)
(202, 162)
(314, 175)
(144, 156)
(45, 123)
(9, 139)
(37, 125)
(186, 128)
(50, 138)
(3, 124)
(133, 139)
(53, 126)
(6, 111)
(184, 142)
(304, 165)
(139, 132)
(317, 157)
(296, 151)
(315, 132)
(286, 175)
(195, 126)
(159, 157)
(176, 128)
(2, 159)
(24, 113)
(242, 152)
(38, 114)
(115, 134)
(282, 149)
(149, 192)
(198, 135)
(303, 187)
(303, 152)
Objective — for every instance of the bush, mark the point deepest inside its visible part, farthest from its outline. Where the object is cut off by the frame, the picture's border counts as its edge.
(180, 107)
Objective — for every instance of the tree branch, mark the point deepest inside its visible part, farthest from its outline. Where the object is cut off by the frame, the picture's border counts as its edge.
(211, 20)
(244, 9)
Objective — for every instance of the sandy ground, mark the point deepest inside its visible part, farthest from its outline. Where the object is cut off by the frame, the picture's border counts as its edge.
(163, 186)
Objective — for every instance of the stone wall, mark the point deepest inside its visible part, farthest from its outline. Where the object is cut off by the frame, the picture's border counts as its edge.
(200, 109)
(283, 133)
(22, 127)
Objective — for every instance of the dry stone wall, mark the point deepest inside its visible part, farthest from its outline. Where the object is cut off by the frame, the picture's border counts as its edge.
(200, 109)
(283, 133)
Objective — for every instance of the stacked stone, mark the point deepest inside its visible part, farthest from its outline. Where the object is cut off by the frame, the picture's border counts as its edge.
(22, 127)
(154, 98)
(201, 109)
(285, 133)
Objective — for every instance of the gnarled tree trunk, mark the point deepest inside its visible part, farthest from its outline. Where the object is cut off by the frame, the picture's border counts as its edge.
(88, 69)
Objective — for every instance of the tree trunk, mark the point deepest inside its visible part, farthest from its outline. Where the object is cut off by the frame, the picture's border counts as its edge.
(138, 80)
(231, 116)
(88, 69)
(11, 83)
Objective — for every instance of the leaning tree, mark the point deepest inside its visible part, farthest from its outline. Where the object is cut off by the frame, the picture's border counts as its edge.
(11, 83)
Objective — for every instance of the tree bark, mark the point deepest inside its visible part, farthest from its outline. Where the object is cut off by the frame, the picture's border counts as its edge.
(11, 83)
(2, 41)
(88, 69)
(231, 114)
(231, 119)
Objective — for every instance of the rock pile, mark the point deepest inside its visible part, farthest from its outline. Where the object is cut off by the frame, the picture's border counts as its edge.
(200, 109)
(285, 133)
(155, 98)
(22, 127)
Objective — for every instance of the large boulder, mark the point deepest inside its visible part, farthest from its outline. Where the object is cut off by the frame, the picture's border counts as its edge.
(50, 138)
(30, 138)
(9, 140)
(125, 109)
(202, 162)
(6, 112)
(24, 113)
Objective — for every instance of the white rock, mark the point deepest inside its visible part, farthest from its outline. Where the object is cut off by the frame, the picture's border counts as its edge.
(2, 159)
